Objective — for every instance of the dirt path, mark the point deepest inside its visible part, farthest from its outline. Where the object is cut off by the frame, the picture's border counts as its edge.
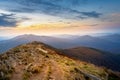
(51, 71)
(57, 72)
(18, 73)
(39, 76)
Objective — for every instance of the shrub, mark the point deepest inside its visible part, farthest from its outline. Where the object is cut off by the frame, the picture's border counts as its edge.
(26, 75)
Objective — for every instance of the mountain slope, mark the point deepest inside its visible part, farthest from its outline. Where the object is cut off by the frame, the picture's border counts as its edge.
(63, 43)
(22, 39)
(39, 61)
(98, 43)
(97, 57)
(113, 38)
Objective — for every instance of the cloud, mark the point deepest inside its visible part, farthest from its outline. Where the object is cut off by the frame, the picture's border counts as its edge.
(92, 25)
(56, 8)
(79, 2)
(10, 20)
(92, 14)
(7, 20)
(24, 9)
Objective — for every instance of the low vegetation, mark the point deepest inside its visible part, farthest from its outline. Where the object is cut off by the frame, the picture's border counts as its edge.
(28, 62)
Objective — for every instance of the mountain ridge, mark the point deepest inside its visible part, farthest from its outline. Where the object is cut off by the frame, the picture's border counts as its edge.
(63, 43)
(37, 60)
(95, 56)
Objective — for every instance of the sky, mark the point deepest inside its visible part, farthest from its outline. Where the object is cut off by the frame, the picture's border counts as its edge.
(53, 17)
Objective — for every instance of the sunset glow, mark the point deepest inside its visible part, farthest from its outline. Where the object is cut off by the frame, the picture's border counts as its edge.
(56, 17)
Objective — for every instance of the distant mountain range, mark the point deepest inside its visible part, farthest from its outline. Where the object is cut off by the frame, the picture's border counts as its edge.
(110, 43)
(39, 61)
(113, 38)
(57, 42)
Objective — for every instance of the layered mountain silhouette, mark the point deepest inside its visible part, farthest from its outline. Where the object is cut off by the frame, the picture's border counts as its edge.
(95, 56)
(38, 61)
(56, 42)
(103, 43)
(113, 38)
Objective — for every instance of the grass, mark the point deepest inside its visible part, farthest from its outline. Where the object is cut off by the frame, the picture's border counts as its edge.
(26, 75)
(48, 73)
(36, 69)
(5, 72)
(16, 50)
(7, 77)
(5, 56)
(70, 69)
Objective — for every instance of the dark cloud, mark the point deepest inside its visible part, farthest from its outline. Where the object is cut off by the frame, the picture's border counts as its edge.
(25, 9)
(92, 14)
(7, 20)
(79, 2)
(60, 8)
(94, 25)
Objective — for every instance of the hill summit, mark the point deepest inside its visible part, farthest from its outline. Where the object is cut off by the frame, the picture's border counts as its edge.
(38, 61)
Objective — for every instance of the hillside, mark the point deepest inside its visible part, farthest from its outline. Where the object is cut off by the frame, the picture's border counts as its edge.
(64, 42)
(113, 38)
(95, 56)
(38, 61)
(22, 39)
